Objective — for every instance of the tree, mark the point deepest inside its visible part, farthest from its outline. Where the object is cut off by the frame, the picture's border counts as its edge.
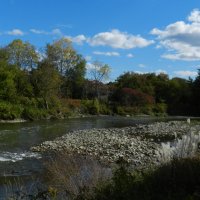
(7, 83)
(132, 97)
(99, 73)
(75, 78)
(4, 56)
(46, 81)
(196, 94)
(142, 82)
(62, 55)
(70, 65)
(22, 54)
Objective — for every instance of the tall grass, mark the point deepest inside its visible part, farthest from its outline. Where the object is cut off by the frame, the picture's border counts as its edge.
(186, 147)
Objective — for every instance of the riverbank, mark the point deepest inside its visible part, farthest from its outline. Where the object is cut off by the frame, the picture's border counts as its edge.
(13, 121)
(138, 145)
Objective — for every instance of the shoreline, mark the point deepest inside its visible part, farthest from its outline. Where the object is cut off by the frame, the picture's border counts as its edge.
(13, 121)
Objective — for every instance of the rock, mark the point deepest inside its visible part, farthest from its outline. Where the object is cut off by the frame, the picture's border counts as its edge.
(137, 145)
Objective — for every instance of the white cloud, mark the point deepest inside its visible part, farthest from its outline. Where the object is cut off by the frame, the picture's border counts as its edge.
(114, 39)
(106, 53)
(181, 39)
(194, 16)
(42, 32)
(118, 40)
(79, 39)
(186, 73)
(56, 31)
(141, 65)
(38, 31)
(130, 55)
(15, 32)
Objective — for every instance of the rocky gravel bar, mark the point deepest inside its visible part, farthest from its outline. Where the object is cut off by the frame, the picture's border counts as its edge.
(138, 144)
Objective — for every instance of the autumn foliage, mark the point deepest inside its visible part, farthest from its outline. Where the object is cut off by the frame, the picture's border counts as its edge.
(133, 97)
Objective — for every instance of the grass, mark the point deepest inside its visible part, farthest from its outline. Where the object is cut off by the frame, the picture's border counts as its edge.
(79, 178)
(72, 175)
(177, 180)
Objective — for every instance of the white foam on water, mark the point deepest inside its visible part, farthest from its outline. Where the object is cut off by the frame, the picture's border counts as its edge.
(14, 157)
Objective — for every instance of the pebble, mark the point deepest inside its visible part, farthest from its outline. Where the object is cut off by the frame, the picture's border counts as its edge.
(137, 145)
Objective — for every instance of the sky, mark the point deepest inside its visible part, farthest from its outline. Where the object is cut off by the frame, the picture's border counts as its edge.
(129, 35)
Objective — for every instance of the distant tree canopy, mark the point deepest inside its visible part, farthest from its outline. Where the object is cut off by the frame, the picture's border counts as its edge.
(181, 96)
(30, 81)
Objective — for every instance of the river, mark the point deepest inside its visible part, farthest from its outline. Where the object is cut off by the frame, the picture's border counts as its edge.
(16, 160)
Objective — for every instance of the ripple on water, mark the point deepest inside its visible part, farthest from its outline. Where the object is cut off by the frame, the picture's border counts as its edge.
(14, 157)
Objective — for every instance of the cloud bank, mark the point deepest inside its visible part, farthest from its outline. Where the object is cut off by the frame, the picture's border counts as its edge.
(181, 39)
(119, 40)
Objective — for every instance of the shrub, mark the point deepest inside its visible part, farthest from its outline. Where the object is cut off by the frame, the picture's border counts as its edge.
(128, 110)
(9, 111)
(104, 109)
(132, 97)
(160, 108)
(75, 174)
(32, 113)
(73, 103)
(91, 106)
(179, 179)
(119, 110)
(79, 178)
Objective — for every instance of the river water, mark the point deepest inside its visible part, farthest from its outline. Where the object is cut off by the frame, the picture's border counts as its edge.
(16, 160)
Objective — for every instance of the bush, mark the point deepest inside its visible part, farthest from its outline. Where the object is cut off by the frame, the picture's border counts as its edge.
(73, 103)
(132, 97)
(160, 108)
(75, 174)
(119, 110)
(26, 101)
(179, 179)
(9, 111)
(79, 178)
(128, 110)
(91, 106)
(32, 113)
(147, 110)
(104, 109)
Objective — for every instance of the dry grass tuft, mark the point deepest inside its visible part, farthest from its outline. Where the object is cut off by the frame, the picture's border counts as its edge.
(75, 173)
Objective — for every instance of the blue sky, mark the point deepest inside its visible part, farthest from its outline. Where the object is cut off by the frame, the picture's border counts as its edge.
(129, 35)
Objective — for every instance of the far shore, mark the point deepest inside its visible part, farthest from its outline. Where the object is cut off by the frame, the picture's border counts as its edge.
(2, 121)
(13, 121)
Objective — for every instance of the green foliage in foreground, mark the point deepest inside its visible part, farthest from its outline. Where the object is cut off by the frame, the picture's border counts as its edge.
(178, 180)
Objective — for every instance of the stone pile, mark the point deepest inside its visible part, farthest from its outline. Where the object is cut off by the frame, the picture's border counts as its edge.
(138, 145)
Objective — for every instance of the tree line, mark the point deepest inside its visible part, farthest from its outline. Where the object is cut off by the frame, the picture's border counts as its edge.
(53, 83)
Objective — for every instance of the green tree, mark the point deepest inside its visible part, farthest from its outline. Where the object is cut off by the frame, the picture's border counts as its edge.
(75, 79)
(7, 84)
(22, 54)
(46, 81)
(62, 55)
(196, 94)
(142, 82)
(4, 56)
